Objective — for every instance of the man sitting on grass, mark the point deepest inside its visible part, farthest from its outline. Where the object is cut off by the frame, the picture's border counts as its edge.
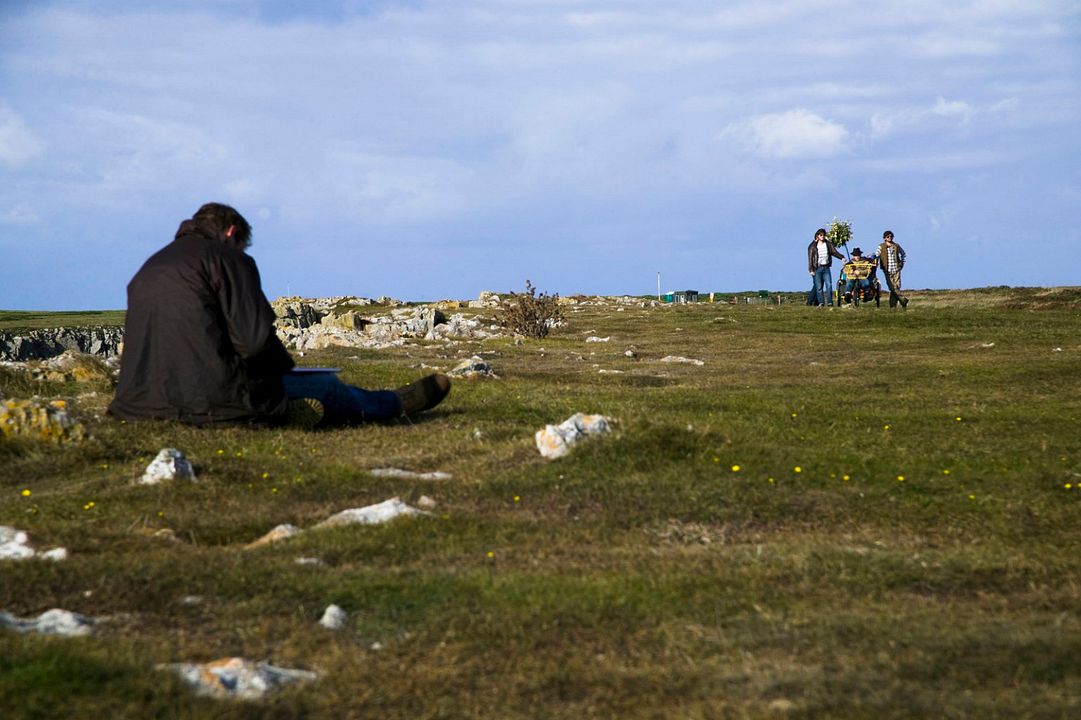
(200, 345)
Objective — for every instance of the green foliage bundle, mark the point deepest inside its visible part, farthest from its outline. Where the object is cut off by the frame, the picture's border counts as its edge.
(530, 314)
(840, 232)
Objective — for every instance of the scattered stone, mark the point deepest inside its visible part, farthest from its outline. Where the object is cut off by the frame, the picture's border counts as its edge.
(474, 367)
(334, 618)
(595, 339)
(281, 532)
(631, 352)
(408, 474)
(555, 441)
(34, 420)
(426, 503)
(603, 371)
(51, 622)
(170, 464)
(681, 359)
(237, 677)
(309, 561)
(372, 514)
(14, 545)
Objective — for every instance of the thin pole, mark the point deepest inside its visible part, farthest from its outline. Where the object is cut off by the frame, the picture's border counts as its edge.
(658, 286)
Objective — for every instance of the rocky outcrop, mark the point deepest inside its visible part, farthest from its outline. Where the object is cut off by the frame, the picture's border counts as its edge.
(50, 342)
(341, 327)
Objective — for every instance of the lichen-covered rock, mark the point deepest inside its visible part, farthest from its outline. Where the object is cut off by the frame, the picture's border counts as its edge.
(75, 367)
(34, 420)
(555, 441)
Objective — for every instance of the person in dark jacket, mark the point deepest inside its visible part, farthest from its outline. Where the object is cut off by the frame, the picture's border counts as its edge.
(200, 345)
(820, 254)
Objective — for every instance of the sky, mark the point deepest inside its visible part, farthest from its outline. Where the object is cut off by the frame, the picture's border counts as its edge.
(433, 149)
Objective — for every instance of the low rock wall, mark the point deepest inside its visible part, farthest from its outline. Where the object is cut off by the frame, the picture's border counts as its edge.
(50, 342)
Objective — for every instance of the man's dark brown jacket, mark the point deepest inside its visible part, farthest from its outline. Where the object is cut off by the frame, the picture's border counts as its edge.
(199, 342)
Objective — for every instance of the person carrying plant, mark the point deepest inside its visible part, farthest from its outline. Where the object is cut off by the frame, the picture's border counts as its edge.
(820, 254)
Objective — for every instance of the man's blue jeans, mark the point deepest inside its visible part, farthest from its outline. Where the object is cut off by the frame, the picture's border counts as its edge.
(824, 285)
(865, 284)
(343, 404)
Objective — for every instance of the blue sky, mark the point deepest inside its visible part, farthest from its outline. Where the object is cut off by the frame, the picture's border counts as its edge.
(428, 150)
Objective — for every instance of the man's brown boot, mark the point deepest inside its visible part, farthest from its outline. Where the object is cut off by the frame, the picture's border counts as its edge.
(424, 394)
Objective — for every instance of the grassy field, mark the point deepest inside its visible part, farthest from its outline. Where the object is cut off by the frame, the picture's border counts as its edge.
(841, 514)
(15, 321)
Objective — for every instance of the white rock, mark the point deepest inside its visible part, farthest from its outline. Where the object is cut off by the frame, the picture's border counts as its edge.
(14, 545)
(555, 441)
(389, 472)
(474, 367)
(426, 503)
(372, 514)
(334, 618)
(237, 677)
(170, 464)
(309, 561)
(281, 532)
(55, 554)
(680, 359)
(51, 622)
(595, 339)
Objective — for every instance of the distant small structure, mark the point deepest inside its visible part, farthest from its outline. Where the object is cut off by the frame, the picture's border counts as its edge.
(682, 296)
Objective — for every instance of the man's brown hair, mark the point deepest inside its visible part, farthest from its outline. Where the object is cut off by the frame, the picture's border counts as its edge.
(219, 218)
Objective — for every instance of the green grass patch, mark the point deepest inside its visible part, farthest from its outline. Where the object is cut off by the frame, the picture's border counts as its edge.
(847, 514)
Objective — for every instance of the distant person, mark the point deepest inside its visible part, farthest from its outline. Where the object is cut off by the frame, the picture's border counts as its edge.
(200, 345)
(891, 258)
(820, 254)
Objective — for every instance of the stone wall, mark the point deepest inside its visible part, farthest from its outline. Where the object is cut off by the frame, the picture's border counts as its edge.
(50, 342)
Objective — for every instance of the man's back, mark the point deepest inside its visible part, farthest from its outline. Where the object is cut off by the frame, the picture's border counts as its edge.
(199, 343)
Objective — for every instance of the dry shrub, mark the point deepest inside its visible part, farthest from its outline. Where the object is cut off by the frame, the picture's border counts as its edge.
(530, 314)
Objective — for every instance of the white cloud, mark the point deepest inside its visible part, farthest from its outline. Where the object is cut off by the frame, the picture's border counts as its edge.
(911, 120)
(791, 135)
(18, 143)
(22, 213)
